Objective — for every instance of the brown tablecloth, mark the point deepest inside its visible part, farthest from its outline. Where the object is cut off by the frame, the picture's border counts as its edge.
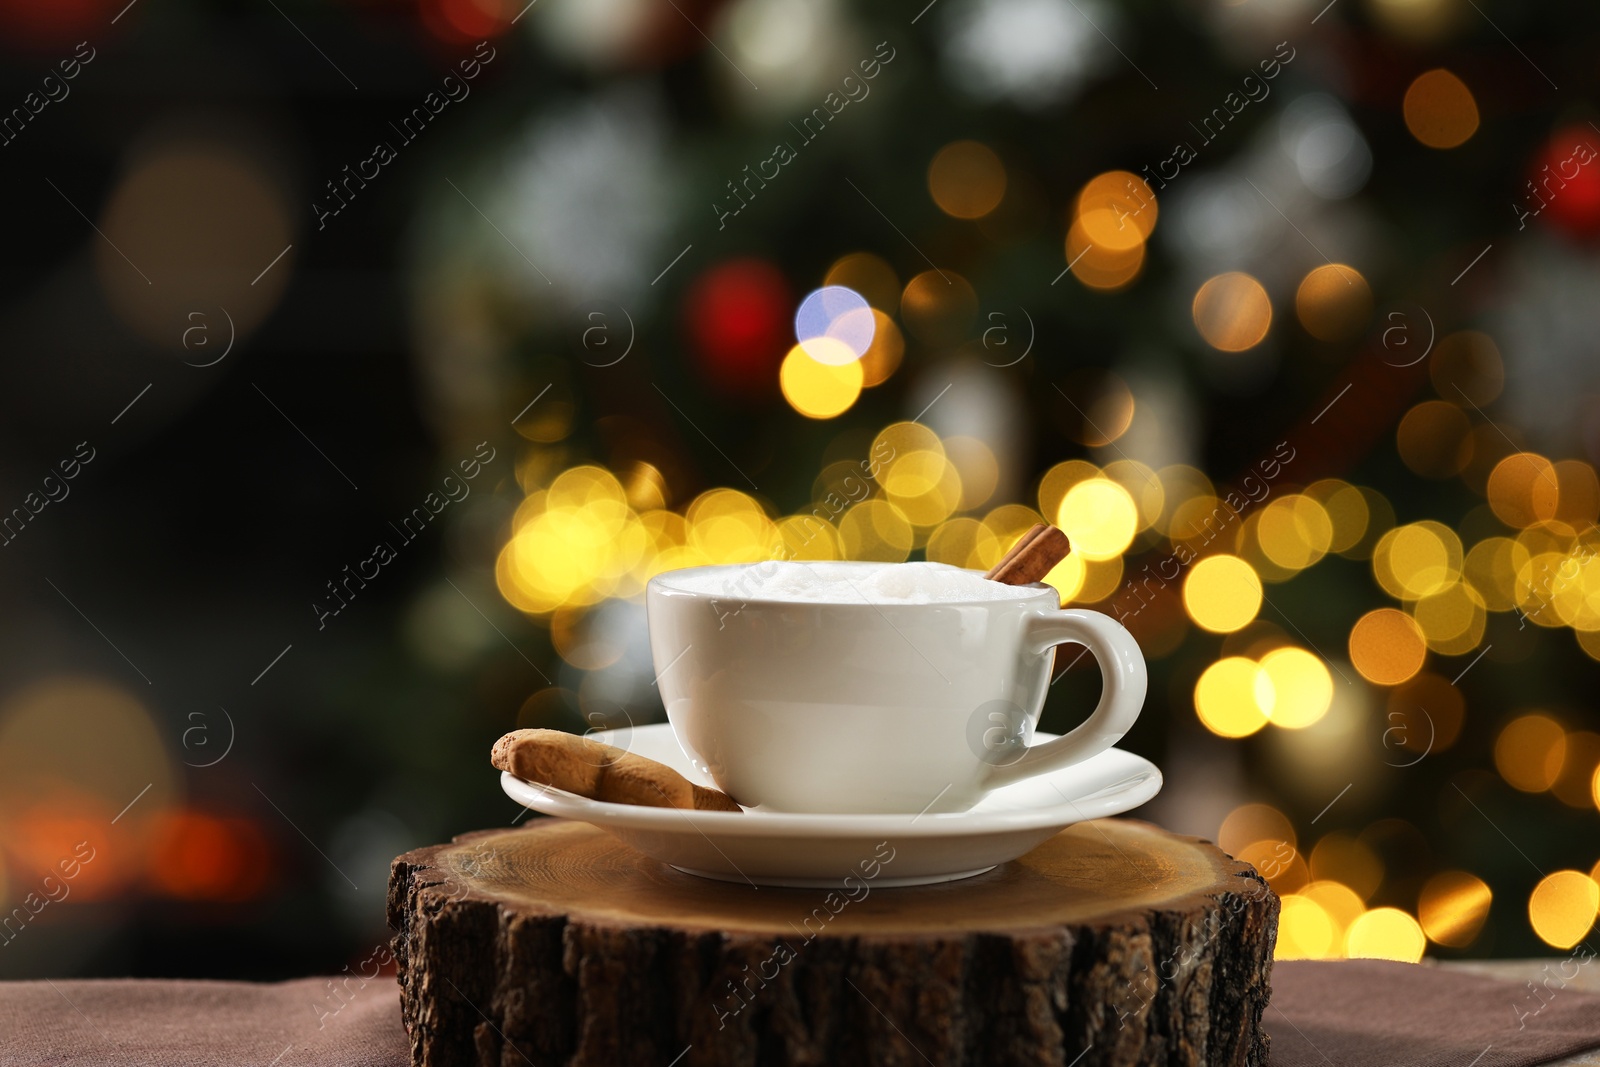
(1356, 1013)
(1350, 1014)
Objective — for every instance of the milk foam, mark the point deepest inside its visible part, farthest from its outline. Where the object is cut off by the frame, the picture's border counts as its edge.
(848, 583)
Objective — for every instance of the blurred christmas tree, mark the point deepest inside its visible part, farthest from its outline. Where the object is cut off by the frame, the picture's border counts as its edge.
(1279, 310)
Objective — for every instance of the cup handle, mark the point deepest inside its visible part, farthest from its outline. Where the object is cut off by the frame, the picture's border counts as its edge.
(1123, 684)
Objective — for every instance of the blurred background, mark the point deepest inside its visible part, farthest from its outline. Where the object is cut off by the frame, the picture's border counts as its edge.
(364, 359)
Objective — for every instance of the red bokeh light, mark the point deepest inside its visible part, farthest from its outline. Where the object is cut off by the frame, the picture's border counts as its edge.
(737, 315)
(32, 24)
(66, 839)
(1569, 189)
(198, 856)
(466, 21)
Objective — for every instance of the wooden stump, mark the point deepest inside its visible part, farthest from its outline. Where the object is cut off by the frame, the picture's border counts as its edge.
(1114, 942)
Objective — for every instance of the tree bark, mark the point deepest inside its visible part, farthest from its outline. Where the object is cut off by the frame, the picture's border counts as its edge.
(1114, 942)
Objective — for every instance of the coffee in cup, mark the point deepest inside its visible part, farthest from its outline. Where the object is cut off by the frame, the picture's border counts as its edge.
(874, 687)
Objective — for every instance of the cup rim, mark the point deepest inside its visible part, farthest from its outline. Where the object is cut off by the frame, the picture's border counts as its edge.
(662, 583)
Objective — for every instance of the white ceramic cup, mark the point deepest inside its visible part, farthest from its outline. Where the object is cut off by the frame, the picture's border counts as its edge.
(875, 707)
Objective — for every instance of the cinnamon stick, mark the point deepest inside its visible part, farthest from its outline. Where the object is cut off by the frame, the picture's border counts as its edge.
(600, 771)
(1032, 557)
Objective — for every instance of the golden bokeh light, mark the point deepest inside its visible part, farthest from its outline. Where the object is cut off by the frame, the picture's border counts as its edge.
(1349, 862)
(1435, 439)
(1305, 930)
(1101, 578)
(1250, 823)
(1385, 934)
(1099, 518)
(876, 530)
(1181, 484)
(1117, 211)
(882, 357)
(964, 542)
(870, 276)
(1098, 267)
(1418, 559)
(1278, 862)
(1098, 409)
(1294, 531)
(1293, 688)
(1143, 485)
(1225, 698)
(1346, 508)
(966, 179)
(923, 485)
(1577, 493)
(939, 307)
(1440, 110)
(1232, 312)
(1574, 785)
(1491, 566)
(1342, 905)
(1562, 908)
(1530, 751)
(1058, 479)
(807, 537)
(820, 390)
(1453, 906)
(1386, 647)
(1334, 302)
(1524, 489)
(1222, 594)
(1068, 577)
(1452, 620)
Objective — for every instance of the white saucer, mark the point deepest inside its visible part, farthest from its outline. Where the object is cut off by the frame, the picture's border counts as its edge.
(818, 851)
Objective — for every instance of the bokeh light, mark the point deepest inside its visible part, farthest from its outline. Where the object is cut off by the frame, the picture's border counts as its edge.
(1435, 439)
(1112, 219)
(1453, 907)
(1350, 863)
(834, 325)
(966, 179)
(1222, 593)
(1099, 518)
(1250, 823)
(883, 356)
(1334, 302)
(1562, 907)
(1225, 697)
(939, 307)
(869, 275)
(1523, 489)
(1529, 752)
(1574, 785)
(1341, 904)
(1294, 531)
(1232, 312)
(820, 390)
(1440, 110)
(876, 530)
(1385, 934)
(1386, 646)
(1293, 687)
(1117, 210)
(1305, 930)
